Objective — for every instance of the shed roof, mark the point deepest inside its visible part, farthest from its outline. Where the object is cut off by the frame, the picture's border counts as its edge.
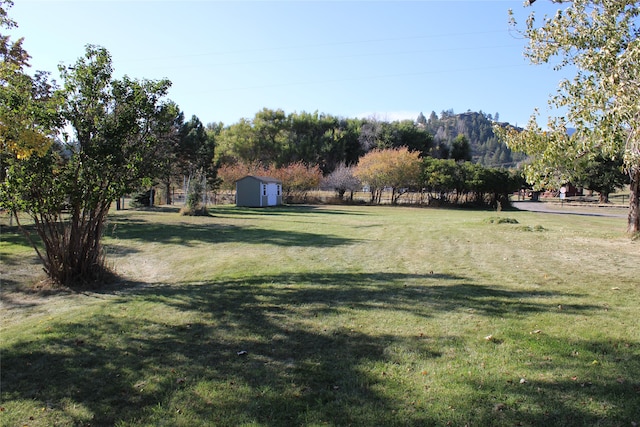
(267, 179)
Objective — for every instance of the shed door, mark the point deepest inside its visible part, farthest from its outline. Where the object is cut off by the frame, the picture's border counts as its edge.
(272, 193)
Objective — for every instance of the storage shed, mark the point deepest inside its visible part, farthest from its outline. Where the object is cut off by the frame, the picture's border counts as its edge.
(258, 191)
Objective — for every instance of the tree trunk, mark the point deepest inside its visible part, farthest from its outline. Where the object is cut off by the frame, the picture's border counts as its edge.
(604, 197)
(167, 187)
(204, 192)
(73, 254)
(634, 201)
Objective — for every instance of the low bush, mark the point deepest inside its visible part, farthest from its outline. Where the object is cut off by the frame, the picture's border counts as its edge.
(501, 220)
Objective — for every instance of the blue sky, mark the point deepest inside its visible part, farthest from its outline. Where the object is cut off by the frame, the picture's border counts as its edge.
(228, 60)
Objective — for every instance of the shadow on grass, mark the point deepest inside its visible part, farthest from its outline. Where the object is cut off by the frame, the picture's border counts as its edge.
(580, 383)
(13, 260)
(418, 294)
(12, 238)
(170, 354)
(188, 234)
(285, 210)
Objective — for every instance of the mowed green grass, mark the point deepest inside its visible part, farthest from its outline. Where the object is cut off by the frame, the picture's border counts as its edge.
(332, 316)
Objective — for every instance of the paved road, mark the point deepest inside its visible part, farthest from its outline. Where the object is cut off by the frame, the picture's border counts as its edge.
(557, 208)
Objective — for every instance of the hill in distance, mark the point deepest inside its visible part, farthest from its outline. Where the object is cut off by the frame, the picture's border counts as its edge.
(486, 149)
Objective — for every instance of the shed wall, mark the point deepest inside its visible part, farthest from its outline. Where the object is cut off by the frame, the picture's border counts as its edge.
(248, 193)
(254, 192)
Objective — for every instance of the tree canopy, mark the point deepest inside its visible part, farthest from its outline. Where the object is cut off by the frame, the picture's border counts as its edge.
(28, 105)
(68, 189)
(396, 168)
(601, 174)
(599, 38)
(273, 137)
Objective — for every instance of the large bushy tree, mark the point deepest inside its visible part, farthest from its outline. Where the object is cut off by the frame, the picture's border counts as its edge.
(396, 168)
(271, 128)
(599, 38)
(601, 174)
(448, 181)
(68, 190)
(297, 179)
(229, 173)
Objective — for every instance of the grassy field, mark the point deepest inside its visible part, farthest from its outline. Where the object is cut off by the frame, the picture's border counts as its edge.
(332, 316)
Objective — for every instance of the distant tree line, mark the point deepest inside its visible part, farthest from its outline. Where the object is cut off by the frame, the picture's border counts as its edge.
(346, 154)
(405, 175)
(275, 138)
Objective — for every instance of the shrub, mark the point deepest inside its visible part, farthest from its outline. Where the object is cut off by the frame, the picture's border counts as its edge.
(501, 220)
(529, 228)
(141, 199)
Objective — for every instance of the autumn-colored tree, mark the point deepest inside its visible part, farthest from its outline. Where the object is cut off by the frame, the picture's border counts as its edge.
(397, 168)
(29, 107)
(230, 173)
(297, 179)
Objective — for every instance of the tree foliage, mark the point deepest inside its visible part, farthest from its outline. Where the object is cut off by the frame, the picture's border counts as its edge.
(275, 138)
(600, 39)
(231, 172)
(601, 174)
(397, 168)
(297, 179)
(195, 153)
(28, 105)
(477, 127)
(461, 149)
(68, 191)
(342, 179)
(168, 134)
(448, 181)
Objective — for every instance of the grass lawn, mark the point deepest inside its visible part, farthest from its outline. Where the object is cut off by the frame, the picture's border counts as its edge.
(331, 316)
